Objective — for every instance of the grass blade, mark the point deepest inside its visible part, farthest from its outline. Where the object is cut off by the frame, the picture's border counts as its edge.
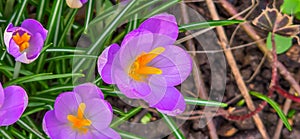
(128, 115)
(127, 135)
(29, 129)
(89, 14)
(172, 125)
(207, 24)
(20, 12)
(275, 106)
(195, 101)
(40, 77)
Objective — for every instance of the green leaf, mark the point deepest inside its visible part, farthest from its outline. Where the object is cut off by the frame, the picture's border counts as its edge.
(290, 6)
(20, 12)
(282, 43)
(291, 113)
(70, 57)
(40, 77)
(146, 119)
(276, 108)
(56, 89)
(297, 15)
(128, 115)
(5, 133)
(207, 24)
(89, 14)
(172, 125)
(127, 135)
(195, 101)
(241, 102)
(30, 129)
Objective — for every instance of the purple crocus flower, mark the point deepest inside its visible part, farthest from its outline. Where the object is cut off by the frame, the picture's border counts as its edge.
(76, 3)
(25, 42)
(80, 114)
(13, 102)
(147, 65)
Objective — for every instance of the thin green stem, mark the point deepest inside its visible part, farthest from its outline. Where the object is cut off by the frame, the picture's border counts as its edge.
(17, 70)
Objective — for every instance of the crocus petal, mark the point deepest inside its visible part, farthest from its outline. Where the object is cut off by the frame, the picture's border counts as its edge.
(65, 104)
(68, 132)
(87, 135)
(14, 105)
(175, 63)
(172, 104)
(83, 1)
(1, 95)
(98, 111)
(105, 61)
(134, 43)
(88, 91)
(13, 49)
(107, 133)
(51, 126)
(23, 58)
(8, 35)
(123, 81)
(158, 91)
(74, 3)
(34, 27)
(36, 44)
(164, 24)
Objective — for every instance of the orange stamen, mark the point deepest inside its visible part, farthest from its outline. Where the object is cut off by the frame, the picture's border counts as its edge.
(22, 41)
(140, 70)
(79, 122)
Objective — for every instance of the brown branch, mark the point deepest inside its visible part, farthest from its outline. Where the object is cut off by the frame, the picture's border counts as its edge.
(231, 61)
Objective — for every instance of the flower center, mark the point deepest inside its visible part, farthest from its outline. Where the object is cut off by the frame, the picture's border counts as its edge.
(140, 70)
(79, 122)
(22, 41)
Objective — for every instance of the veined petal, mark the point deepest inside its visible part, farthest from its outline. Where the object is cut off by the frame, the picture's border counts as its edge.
(164, 24)
(14, 105)
(99, 112)
(134, 43)
(13, 49)
(23, 58)
(158, 91)
(8, 35)
(172, 103)
(175, 63)
(107, 133)
(65, 104)
(105, 61)
(36, 45)
(123, 83)
(52, 127)
(1, 95)
(88, 91)
(34, 27)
